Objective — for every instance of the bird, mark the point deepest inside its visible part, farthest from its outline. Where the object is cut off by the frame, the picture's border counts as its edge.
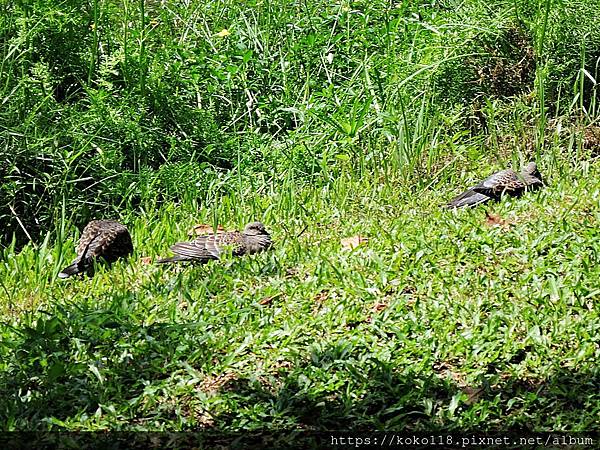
(504, 182)
(105, 240)
(253, 239)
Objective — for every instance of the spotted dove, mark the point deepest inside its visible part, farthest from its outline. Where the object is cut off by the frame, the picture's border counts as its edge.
(253, 239)
(101, 239)
(505, 182)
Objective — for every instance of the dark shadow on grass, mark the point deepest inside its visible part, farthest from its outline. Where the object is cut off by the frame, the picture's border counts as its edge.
(76, 360)
(390, 399)
(405, 400)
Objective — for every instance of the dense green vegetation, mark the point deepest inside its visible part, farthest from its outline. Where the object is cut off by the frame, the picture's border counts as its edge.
(324, 120)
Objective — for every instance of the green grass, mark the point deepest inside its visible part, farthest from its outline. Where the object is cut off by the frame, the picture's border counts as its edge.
(439, 322)
(107, 105)
(324, 121)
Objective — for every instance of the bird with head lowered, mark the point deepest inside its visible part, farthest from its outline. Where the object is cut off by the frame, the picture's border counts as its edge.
(105, 240)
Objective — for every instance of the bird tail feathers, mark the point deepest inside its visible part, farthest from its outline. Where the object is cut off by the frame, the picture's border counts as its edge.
(468, 198)
(71, 270)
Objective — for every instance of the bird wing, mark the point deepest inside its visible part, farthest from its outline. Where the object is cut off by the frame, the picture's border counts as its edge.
(117, 243)
(88, 234)
(107, 239)
(468, 198)
(191, 251)
(500, 182)
(208, 246)
(232, 239)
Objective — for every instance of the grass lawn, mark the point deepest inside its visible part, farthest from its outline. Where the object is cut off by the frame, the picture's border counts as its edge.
(333, 123)
(481, 319)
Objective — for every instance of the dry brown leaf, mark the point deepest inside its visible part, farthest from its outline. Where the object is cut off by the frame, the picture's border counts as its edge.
(205, 419)
(322, 296)
(353, 242)
(202, 228)
(146, 260)
(266, 300)
(379, 307)
(269, 299)
(494, 220)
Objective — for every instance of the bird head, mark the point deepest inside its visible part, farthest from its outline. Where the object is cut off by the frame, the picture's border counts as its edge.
(531, 169)
(255, 229)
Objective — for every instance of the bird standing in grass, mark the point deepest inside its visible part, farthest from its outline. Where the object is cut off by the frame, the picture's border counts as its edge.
(505, 182)
(253, 239)
(105, 240)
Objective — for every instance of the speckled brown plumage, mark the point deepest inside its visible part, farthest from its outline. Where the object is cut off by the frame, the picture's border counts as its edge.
(101, 239)
(253, 239)
(509, 182)
(505, 182)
